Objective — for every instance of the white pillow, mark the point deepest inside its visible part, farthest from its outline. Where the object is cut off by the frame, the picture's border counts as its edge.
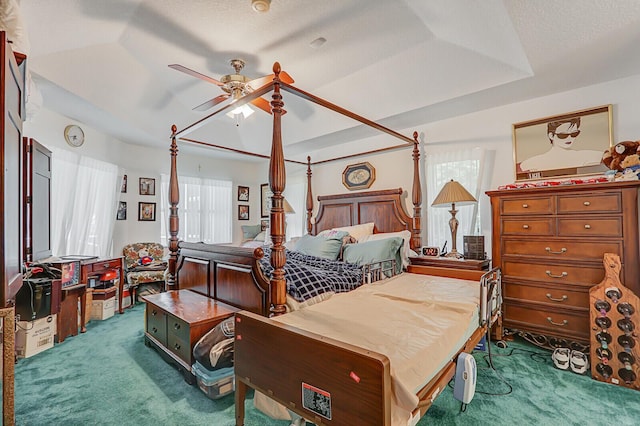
(356, 231)
(406, 248)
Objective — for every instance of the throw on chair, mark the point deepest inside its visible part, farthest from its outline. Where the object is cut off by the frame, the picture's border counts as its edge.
(143, 264)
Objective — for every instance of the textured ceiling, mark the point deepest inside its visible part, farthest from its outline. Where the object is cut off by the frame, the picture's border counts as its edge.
(399, 62)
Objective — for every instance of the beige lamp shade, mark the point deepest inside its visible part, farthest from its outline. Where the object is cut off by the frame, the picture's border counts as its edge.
(287, 207)
(453, 193)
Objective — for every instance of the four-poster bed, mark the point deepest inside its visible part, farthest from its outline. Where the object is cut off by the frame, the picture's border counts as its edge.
(232, 274)
(359, 380)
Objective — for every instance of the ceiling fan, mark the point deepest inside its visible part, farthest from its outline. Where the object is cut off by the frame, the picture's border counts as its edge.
(234, 85)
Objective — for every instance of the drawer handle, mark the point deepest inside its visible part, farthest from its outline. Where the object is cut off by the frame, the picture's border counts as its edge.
(564, 297)
(177, 346)
(153, 313)
(525, 226)
(587, 226)
(176, 326)
(155, 330)
(562, 324)
(525, 206)
(562, 250)
(562, 275)
(105, 266)
(586, 204)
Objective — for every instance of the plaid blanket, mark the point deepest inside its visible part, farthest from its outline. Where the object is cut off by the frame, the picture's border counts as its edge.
(308, 276)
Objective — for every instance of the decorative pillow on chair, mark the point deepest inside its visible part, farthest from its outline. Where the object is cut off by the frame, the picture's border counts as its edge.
(327, 246)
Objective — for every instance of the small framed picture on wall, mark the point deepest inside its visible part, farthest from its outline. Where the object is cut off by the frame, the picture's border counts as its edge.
(147, 186)
(243, 212)
(146, 211)
(123, 188)
(122, 211)
(243, 193)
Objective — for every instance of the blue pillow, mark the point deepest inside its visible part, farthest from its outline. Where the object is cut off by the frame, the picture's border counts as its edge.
(249, 232)
(326, 246)
(375, 251)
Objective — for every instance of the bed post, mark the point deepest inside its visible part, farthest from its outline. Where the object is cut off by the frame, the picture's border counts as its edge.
(277, 182)
(174, 199)
(416, 195)
(309, 196)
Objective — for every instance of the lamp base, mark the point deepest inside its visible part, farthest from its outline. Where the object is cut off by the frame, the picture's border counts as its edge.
(454, 254)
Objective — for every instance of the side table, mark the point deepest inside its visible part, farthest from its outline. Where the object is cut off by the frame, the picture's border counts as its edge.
(468, 269)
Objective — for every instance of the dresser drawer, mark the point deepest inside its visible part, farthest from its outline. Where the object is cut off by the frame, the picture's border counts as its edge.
(601, 203)
(577, 297)
(554, 273)
(549, 321)
(180, 346)
(561, 249)
(590, 227)
(100, 267)
(540, 227)
(527, 206)
(179, 338)
(157, 323)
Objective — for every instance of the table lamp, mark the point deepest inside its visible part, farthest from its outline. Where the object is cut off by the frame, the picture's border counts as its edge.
(451, 193)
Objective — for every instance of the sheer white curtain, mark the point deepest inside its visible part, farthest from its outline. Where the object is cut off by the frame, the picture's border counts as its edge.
(84, 202)
(466, 167)
(204, 211)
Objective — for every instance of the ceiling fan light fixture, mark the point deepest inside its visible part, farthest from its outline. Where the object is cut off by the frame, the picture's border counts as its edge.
(244, 110)
(260, 6)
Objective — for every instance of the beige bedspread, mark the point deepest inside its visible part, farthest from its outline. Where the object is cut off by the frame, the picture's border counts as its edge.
(419, 322)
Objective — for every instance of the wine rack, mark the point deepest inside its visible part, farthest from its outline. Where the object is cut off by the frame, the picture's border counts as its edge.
(615, 318)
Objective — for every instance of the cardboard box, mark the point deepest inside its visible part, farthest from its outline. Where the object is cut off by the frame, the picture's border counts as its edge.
(103, 309)
(126, 298)
(33, 337)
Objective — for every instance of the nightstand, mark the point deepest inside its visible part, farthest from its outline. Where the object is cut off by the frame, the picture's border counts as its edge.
(468, 269)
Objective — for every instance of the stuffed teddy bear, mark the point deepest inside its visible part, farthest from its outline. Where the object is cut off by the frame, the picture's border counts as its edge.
(614, 156)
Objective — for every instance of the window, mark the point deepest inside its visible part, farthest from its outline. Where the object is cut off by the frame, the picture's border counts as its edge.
(466, 167)
(84, 201)
(296, 196)
(205, 210)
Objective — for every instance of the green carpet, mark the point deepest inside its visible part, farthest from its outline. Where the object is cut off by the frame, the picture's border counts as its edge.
(107, 376)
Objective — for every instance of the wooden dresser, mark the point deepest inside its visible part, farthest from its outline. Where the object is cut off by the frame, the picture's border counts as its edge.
(549, 243)
(176, 320)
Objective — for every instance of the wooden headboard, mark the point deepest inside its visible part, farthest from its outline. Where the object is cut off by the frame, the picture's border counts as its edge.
(384, 208)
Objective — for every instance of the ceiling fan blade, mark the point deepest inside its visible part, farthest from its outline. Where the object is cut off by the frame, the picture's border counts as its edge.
(284, 76)
(261, 81)
(211, 103)
(262, 104)
(196, 74)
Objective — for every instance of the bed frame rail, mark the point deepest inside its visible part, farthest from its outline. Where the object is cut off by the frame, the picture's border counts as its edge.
(350, 385)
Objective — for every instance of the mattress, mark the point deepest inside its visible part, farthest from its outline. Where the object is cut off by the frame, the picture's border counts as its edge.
(418, 321)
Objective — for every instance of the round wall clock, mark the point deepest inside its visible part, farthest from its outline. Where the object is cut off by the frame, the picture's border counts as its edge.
(74, 135)
(358, 176)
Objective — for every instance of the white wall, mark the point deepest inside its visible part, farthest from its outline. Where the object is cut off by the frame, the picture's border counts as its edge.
(490, 129)
(47, 127)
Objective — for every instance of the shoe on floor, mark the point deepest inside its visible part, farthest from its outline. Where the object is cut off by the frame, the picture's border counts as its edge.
(561, 357)
(579, 362)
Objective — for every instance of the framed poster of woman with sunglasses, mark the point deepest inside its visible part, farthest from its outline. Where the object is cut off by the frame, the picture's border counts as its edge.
(565, 145)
